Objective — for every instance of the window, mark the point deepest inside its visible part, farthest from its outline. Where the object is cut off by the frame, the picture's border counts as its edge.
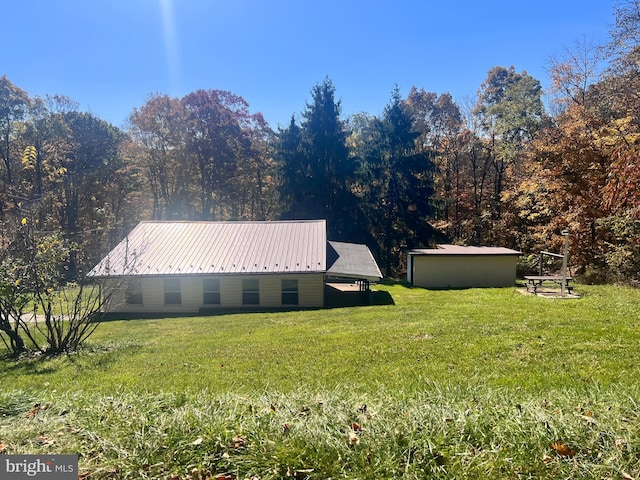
(172, 295)
(250, 292)
(211, 291)
(133, 292)
(289, 292)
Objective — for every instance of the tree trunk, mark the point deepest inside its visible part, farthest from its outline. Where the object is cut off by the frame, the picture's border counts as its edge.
(16, 343)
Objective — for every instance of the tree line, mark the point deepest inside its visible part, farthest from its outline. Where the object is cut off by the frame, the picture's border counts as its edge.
(513, 168)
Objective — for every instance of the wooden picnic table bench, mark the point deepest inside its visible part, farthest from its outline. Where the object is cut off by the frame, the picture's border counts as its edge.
(534, 282)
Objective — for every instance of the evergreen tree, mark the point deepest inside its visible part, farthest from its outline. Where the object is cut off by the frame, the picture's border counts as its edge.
(401, 186)
(317, 171)
(292, 171)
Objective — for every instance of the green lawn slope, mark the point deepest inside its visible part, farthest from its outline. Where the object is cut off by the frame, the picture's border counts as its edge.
(442, 384)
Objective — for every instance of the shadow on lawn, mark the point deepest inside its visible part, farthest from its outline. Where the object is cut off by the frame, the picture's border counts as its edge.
(88, 356)
(28, 365)
(381, 297)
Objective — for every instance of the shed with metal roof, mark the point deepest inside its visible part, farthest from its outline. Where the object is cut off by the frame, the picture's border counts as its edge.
(455, 266)
(168, 266)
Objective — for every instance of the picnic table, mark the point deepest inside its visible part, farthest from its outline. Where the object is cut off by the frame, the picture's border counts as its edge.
(534, 282)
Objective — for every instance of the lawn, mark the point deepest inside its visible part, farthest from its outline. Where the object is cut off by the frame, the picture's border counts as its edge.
(442, 384)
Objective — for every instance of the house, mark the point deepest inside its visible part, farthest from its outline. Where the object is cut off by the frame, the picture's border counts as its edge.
(187, 267)
(453, 266)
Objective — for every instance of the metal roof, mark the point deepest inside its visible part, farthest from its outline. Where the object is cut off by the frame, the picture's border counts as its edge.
(351, 260)
(171, 248)
(462, 250)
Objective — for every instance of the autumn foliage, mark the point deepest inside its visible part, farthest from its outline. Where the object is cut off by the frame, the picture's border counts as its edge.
(512, 168)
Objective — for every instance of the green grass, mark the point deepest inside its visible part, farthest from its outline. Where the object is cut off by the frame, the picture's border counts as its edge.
(456, 384)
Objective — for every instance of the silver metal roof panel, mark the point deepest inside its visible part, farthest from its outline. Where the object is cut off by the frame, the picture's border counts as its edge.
(172, 248)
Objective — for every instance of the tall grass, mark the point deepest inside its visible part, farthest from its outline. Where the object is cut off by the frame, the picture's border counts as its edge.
(451, 384)
(436, 432)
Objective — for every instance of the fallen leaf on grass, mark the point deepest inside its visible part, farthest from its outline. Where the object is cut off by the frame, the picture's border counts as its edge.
(354, 439)
(34, 411)
(225, 476)
(626, 476)
(563, 449)
(3, 447)
(197, 441)
(588, 418)
(239, 441)
(45, 441)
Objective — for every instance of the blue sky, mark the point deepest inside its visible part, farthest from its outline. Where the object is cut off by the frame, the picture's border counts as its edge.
(110, 55)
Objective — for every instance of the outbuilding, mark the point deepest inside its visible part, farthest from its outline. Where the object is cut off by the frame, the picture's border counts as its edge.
(454, 266)
(189, 267)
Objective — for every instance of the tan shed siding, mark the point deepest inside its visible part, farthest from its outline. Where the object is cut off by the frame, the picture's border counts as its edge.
(440, 271)
(499, 271)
